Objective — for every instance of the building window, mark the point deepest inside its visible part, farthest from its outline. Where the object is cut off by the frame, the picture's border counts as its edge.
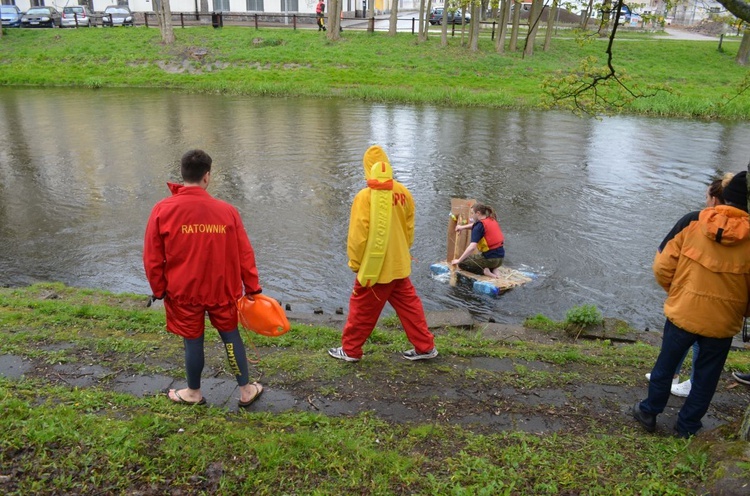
(289, 5)
(221, 5)
(257, 6)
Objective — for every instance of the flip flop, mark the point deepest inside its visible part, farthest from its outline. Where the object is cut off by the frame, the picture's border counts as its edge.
(258, 392)
(181, 401)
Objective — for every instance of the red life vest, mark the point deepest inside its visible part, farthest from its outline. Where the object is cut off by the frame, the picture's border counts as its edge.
(493, 235)
(320, 8)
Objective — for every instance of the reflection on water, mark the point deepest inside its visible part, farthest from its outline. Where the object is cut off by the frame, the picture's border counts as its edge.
(583, 203)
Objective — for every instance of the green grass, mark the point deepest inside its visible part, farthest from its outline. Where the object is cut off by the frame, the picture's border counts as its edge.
(69, 440)
(371, 66)
(80, 441)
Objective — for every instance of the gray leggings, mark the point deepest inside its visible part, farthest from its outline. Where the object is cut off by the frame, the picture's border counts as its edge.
(194, 359)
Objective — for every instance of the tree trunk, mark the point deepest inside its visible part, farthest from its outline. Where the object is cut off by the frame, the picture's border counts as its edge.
(535, 16)
(334, 20)
(513, 46)
(606, 15)
(164, 16)
(474, 27)
(744, 51)
(420, 34)
(587, 15)
(426, 22)
(393, 22)
(551, 19)
(740, 8)
(444, 27)
(502, 26)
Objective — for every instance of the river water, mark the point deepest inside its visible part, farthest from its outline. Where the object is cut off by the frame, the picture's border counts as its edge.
(583, 202)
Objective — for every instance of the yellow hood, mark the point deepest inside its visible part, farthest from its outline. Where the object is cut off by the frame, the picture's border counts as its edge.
(373, 155)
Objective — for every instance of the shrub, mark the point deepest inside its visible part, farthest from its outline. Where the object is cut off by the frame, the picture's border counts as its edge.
(583, 316)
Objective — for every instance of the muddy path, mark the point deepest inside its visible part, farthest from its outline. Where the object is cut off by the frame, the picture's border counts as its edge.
(483, 394)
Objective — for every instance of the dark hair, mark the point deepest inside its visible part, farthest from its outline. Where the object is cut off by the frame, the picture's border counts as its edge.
(484, 210)
(194, 165)
(716, 188)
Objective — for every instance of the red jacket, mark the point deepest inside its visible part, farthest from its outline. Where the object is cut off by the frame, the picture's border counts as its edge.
(196, 249)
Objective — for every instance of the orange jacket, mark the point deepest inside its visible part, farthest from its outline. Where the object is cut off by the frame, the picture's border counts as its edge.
(704, 265)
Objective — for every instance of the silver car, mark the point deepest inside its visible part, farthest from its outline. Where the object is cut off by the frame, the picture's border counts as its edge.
(76, 15)
(117, 15)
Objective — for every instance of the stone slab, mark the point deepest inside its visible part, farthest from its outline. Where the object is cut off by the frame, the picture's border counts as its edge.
(13, 367)
(458, 318)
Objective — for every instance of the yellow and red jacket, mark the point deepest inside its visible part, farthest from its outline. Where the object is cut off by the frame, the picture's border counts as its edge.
(397, 260)
(704, 265)
(196, 249)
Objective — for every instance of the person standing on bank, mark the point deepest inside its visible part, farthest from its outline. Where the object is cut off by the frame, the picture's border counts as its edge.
(320, 11)
(704, 265)
(381, 232)
(486, 238)
(198, 258)
(714, 197)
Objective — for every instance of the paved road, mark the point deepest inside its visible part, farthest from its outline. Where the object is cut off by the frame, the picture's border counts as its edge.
(682, 34)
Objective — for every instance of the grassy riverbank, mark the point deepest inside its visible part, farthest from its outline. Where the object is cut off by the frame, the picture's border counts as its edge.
(701, 81)
(61, 437)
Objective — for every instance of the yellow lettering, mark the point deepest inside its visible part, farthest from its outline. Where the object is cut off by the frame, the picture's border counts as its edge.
(203, 228)
(232, 360)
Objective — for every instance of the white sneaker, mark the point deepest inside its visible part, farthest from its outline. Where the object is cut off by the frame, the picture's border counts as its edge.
(675, 380)
(682, 389)
(341, 354)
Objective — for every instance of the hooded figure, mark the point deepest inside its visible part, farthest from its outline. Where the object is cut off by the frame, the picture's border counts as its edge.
(704, 265)
(381, 232)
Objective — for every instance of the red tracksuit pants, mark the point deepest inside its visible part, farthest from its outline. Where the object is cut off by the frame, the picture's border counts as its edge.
(365, 306)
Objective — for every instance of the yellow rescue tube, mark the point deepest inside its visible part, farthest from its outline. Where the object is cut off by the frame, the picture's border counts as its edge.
(381, 208)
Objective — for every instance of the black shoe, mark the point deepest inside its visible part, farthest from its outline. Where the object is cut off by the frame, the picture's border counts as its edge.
(680, 434)
(743, 378)
(647, 420)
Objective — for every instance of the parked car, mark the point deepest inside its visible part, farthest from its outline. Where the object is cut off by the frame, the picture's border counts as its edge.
(436, 17)
(40, 17)
(76, 15)
(117, 15)
(11, 16)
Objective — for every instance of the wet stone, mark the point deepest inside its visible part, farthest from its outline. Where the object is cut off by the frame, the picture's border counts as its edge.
(142, 385)
(79, 375)
(458, 318)
(13, 367)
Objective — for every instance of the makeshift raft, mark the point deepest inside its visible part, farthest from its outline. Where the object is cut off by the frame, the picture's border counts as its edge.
(457, 243)
(509, 279)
